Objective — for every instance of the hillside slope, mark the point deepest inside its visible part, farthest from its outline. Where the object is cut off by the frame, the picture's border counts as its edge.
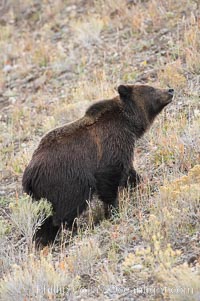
(57, 57)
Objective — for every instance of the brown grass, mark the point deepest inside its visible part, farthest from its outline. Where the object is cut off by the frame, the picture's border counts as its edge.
(58, 58)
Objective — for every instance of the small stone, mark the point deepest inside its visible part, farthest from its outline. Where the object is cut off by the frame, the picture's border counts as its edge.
(137, 267)
(192, 259)
(7, 68)
(12, 100)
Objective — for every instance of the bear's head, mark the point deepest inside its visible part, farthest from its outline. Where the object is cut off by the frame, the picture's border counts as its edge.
(145, 98)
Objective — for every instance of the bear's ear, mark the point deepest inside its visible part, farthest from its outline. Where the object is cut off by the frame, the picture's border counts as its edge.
(124, 91)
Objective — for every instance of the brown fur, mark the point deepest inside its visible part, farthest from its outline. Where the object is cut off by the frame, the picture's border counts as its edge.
(91, 155)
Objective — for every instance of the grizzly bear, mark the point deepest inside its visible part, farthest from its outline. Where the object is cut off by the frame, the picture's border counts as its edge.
(93, 155)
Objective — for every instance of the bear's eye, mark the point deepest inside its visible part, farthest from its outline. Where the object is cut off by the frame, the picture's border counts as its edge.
(151, 90)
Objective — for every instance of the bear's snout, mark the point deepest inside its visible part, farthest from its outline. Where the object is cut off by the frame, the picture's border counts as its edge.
(171, 91)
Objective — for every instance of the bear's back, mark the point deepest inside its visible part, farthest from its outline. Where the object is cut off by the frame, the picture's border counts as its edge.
(92, 115)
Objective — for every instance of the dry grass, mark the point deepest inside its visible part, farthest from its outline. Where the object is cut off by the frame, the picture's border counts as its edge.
(58, 58)
(88, 32)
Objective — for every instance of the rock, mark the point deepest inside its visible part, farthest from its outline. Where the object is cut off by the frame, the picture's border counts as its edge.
(192, 259)
(7, 68)
(137, 267)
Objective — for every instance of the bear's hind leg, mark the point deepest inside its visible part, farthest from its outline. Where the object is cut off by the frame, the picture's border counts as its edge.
(47, 233)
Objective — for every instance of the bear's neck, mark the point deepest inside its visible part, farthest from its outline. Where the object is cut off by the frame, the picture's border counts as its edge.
(137, 121)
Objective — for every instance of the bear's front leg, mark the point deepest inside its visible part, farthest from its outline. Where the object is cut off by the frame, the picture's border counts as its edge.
(108, 209)
(132, 179)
